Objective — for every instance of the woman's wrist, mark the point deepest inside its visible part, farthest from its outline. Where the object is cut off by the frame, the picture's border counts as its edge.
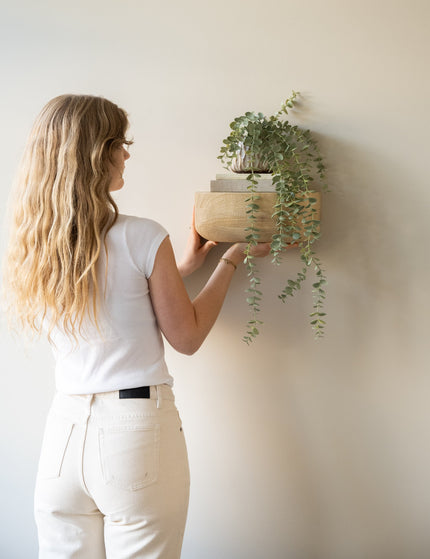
(228, 262)
(184, 269)
(234, 255)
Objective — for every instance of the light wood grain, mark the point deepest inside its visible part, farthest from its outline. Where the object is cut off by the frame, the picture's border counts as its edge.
(222, 217)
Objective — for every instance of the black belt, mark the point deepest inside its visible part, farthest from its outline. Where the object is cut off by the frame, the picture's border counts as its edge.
(141, 392)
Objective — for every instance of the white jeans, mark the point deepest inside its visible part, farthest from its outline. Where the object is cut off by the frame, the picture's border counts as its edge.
(113, 479)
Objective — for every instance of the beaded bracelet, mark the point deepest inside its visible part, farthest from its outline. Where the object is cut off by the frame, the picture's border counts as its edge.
(227, 261)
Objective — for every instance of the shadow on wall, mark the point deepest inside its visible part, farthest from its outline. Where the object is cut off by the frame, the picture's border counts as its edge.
(373, 229)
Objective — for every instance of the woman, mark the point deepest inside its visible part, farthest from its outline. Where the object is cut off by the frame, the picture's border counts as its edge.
(113, 477)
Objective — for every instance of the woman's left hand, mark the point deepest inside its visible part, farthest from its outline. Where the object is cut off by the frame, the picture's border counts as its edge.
(195, 252)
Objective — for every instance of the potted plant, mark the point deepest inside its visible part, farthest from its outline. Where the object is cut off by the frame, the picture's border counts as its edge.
(258, 144)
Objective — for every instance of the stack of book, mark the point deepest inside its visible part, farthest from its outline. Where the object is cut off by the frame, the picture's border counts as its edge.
(237, 182)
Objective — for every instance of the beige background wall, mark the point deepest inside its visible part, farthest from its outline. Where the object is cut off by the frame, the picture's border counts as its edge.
(298, 449)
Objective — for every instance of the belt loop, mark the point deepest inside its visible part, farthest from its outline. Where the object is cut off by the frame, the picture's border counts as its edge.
(159, 396)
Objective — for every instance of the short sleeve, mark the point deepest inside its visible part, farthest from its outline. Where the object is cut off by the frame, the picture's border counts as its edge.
(143, 238)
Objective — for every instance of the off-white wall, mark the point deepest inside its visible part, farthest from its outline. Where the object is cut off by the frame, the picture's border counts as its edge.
(298, 449)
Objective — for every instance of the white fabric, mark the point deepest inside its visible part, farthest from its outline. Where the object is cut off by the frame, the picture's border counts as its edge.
(113, 479)
(128, 350)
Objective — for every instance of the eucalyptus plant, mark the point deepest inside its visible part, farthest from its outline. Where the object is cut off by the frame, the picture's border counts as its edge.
(257, 144)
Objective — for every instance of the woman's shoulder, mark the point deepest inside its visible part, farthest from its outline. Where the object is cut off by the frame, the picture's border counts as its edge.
(137, 231)
(141, 237)
(136, 225)
(136, 221)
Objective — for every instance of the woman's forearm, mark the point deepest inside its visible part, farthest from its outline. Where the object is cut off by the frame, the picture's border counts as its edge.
(208, 303)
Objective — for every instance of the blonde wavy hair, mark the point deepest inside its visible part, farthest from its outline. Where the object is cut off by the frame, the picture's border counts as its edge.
(61, 212)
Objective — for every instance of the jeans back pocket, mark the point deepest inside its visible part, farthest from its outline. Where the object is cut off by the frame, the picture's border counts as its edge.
(55, 442)
(129, 455)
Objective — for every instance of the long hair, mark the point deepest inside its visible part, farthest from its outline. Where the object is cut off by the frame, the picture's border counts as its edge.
(61, 212)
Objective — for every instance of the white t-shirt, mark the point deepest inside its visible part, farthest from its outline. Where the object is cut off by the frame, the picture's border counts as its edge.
(128, 351)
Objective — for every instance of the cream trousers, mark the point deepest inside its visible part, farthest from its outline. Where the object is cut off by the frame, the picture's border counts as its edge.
(113, 479)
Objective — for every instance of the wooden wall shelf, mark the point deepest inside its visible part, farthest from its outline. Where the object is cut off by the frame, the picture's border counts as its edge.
(222, 217)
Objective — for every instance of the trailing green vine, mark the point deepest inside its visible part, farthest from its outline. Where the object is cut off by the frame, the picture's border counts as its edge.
(253, 235)
(259, 144)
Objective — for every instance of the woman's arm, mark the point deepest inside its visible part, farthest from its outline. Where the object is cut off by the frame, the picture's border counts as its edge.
(186, 323)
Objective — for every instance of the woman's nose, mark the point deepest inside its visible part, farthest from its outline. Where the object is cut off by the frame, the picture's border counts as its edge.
(126, 154)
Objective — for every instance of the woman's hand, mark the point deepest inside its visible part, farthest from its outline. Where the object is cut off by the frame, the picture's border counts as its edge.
(237, 252)
(195, 252)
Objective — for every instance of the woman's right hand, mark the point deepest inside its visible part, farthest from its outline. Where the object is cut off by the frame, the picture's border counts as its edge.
(237, 252)
(259, 250)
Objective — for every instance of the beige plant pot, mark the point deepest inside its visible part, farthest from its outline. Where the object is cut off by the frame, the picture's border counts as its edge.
(242, 163)
(222, 217)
